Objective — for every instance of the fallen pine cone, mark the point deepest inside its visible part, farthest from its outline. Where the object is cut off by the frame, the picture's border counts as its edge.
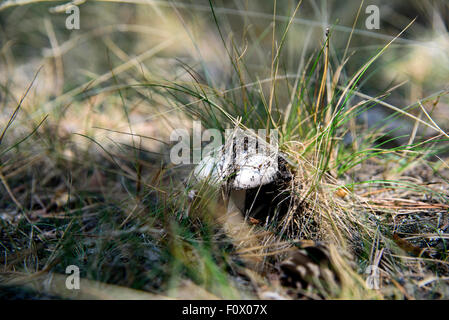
(309, 270)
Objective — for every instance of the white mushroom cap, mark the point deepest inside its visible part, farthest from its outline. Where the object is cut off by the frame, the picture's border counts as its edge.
(245, 170)
(213, 168)
(258, 170)
(207, 169)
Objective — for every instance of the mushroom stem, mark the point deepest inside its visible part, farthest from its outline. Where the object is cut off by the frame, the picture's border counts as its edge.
(236, 201)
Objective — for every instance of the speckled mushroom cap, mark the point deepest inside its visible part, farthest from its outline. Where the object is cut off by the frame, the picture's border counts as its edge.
(214, 168)
(256, 171)
(242, 168)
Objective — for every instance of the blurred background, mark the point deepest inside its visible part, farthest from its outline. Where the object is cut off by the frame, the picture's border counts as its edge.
(130, 42)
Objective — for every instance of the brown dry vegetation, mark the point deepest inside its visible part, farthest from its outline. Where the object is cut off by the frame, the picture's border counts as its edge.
(86, 178)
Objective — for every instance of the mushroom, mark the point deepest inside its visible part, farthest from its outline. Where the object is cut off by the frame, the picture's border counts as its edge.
(237, 166)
